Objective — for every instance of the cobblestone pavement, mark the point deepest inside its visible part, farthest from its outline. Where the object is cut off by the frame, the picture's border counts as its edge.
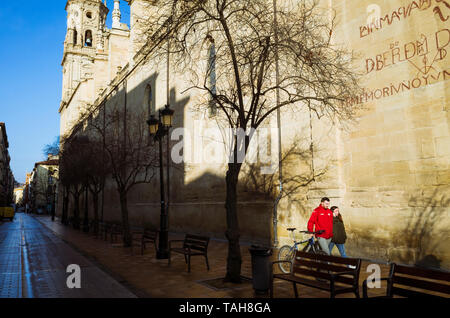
(150, 277)
(33, 264)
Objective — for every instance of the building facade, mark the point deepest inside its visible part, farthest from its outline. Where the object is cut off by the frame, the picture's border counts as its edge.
(44, 185)
(19, 196)
(6, 175)
(388, 172)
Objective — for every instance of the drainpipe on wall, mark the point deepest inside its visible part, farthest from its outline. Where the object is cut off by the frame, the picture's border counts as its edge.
(280, 164)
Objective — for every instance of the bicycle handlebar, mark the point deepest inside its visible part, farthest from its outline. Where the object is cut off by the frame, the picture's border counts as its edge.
(308, 232)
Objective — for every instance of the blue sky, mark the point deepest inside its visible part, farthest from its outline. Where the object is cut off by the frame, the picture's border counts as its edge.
(32, 35)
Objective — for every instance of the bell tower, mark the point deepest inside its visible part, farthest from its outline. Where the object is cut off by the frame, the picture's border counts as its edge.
(85, 39)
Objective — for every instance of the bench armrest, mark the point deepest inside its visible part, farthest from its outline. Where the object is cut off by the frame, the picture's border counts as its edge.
(364, 284)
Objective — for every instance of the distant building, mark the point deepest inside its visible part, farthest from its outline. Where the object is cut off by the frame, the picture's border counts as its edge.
(26, 190)
(6, 175)
(18, 195)
(43, 184)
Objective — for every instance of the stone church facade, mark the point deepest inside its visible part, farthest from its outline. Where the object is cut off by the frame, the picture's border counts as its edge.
(388, 171)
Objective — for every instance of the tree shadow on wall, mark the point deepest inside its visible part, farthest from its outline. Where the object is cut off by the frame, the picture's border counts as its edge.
(422, 234)
(298, 176)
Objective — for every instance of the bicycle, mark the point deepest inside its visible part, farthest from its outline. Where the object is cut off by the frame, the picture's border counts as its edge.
(287, 252)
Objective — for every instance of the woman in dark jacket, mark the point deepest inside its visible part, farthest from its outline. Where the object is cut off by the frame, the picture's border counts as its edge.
(339, 235)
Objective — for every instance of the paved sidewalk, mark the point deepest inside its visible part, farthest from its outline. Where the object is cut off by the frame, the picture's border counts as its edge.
(154, 278)
(33, 264)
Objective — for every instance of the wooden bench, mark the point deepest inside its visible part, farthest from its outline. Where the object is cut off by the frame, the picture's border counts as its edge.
(144, 236)
(402, 278)
(114, 231)
(193, 245)
(103, 229)
(96, 227)
(330, 273)
(91, 224)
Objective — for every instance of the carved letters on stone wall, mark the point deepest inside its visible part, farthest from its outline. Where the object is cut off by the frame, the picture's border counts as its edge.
(422, 53)
(427, 55)
(441, 8)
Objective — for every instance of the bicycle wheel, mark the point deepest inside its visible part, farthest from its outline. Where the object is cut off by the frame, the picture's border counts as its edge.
(286, 253)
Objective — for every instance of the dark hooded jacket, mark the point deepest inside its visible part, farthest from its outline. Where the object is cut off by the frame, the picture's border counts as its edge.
(339, 235)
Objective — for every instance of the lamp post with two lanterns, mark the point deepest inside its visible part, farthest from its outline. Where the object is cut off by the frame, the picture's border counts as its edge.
(158, 129)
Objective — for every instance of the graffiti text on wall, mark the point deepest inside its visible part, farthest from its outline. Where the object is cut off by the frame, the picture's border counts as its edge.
(441, 8)
(399, 87)
(422, 53)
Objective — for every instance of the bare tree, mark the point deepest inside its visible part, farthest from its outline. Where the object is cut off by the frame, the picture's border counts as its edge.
(97, 171)
(73, 172)
(52, 149)
(254, 60)
(129, 155)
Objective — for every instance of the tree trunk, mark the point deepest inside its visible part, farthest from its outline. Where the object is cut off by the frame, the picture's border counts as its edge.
(125, 224)
(95, 200)
(234, 260)
(65, 207)
(76, 212)
(86, 212)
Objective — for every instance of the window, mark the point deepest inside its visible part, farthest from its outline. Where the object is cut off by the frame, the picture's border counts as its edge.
(148, 100)
(88, 38)
(212, 75)
(75, 36)
(89, 15)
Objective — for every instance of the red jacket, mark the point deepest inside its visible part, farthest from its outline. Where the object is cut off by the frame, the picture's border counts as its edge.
(321, 219)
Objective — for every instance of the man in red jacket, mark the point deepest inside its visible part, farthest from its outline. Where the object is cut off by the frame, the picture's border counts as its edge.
(322, 219)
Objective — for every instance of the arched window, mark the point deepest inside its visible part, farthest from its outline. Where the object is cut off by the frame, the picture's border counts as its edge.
(148, 100)
(75, 36)
(88, 38)
(212, 73)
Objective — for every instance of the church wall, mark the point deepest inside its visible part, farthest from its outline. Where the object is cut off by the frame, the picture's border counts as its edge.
(197, 189)
(388, 171)
(392, 171)
(118, 50)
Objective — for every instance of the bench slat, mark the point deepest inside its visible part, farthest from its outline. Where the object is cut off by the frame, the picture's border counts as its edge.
(195, 244)
(426, 273)
(304, 281)
(312, 283)
(196, 237)
(432, 286)
(327, 258)
(322, 265)
(186, 252)
(324, 275)
(196, 248)
(410, 293)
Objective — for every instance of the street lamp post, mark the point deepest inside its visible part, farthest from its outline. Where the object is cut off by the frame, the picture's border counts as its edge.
(54, 203)
(158, 129)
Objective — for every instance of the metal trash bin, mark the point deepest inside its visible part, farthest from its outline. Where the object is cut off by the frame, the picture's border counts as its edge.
(261, 268)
